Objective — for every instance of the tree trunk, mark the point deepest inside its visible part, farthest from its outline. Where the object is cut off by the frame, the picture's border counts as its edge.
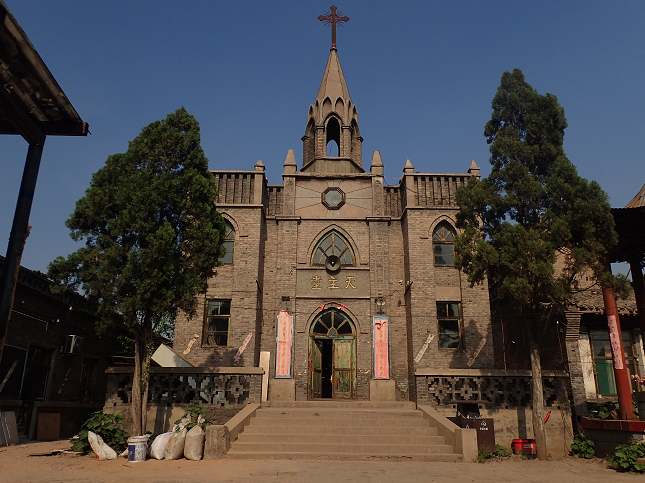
(141, 376)
(135, 408)
(538, 395)
(145, 377)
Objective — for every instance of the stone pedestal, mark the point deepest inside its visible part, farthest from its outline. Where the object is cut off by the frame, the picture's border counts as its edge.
(382, 390)
(217, 442)
(282, 390)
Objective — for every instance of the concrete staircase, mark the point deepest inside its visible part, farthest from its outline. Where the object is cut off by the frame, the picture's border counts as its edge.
(337, 430)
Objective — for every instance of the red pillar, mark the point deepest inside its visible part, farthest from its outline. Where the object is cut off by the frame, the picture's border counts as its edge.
(623, 385)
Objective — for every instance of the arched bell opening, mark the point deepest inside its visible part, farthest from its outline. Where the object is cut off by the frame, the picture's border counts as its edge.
(333, 138)
(332, 356)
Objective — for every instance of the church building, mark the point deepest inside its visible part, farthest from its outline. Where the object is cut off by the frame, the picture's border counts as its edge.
(347, 283)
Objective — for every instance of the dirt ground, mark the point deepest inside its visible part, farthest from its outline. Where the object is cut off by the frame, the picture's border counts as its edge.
(16, 465)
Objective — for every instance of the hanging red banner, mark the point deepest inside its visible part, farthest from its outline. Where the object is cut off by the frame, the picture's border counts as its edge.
(380, 330)
(284, 338)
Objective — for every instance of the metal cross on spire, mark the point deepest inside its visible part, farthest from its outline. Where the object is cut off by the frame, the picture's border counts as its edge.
(333, 19)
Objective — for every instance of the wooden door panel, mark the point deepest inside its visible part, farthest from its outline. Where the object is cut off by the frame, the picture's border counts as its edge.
(315, 369)
(342, 384)
(343, 368)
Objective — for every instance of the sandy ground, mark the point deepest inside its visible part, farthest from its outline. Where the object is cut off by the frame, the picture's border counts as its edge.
(16, 465)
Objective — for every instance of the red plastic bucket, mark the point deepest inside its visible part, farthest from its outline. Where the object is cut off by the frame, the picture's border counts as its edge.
(526, 445)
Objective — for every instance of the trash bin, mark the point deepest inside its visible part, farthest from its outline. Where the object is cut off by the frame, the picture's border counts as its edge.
(527, 446)
(485, 432)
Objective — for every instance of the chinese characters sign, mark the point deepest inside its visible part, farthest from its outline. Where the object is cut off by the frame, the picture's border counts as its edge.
(284, 331)
(346, 283)
(381, 347)
(332, 282)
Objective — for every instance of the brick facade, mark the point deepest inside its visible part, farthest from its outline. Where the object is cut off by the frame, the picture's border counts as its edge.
(389, 230)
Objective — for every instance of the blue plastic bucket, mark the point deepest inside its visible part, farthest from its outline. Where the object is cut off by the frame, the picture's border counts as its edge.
(137, 448)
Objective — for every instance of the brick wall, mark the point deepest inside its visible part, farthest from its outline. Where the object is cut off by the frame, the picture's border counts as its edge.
(393, 243)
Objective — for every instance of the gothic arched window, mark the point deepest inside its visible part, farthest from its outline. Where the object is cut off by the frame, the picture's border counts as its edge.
(229, 243)
(332, 323)
(442, 243)
(333, 243)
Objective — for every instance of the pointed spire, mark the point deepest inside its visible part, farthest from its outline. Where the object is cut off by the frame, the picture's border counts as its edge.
(377, 163)
(474, 169)
(259, 166)
(408, 169)
(333, 84)
(290, 165)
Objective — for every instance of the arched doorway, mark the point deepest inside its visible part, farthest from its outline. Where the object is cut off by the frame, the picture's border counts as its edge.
(332, 356)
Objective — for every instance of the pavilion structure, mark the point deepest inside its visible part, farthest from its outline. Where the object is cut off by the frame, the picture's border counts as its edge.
(32, 105)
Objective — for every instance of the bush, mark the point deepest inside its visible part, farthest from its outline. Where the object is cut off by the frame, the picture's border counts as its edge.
(607, 410)
(583, 447)
(105, 425)
(193, 413)
(500, 452)
(624, 459)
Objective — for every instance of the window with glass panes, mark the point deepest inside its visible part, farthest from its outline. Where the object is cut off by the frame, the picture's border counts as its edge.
(333, 243)
(217, 324)
(442, 244)
(228, 243)
(603, 360)
(449, 324)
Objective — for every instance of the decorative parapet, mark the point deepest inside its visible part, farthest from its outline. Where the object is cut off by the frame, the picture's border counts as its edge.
(274, 199)
(437, 189)
(392, 201)
(497, 389)
(208, 386)
(235, 187)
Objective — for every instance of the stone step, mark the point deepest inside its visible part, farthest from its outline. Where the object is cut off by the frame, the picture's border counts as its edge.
(311, 447)
(337, 414)
(354, 439)
(334, 430)
(340, 404)
(391, 455)
(355, 423)
(342, 430)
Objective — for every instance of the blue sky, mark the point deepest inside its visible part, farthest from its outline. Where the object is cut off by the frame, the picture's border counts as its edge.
(421, 74)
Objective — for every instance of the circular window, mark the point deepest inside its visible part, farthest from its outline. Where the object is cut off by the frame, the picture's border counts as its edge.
(333, 198)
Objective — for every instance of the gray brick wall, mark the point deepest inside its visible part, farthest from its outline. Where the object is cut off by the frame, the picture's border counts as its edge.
(273, 246)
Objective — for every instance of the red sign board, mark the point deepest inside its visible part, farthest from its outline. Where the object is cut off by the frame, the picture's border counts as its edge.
(284, 339)
(380, 329)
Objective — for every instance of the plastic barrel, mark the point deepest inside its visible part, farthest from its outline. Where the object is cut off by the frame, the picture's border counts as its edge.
(137, 448)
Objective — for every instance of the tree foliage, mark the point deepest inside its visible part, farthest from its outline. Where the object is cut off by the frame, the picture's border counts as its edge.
(534, 206)
(532, 211)
(152, 237)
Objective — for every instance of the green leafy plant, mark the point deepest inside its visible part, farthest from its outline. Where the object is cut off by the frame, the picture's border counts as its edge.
(583, 447)
(606, 410)
(105, 425)
(193, 414)
(500, 452)
(626, 456)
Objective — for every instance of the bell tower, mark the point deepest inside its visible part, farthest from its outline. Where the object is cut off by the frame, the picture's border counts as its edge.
(332, 142)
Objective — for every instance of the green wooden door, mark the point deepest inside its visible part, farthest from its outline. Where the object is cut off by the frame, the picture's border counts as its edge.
(344, 369)
(315, 368)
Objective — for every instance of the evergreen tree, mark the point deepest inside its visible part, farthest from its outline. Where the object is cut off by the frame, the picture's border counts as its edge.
(152, 238)
(530, 211)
